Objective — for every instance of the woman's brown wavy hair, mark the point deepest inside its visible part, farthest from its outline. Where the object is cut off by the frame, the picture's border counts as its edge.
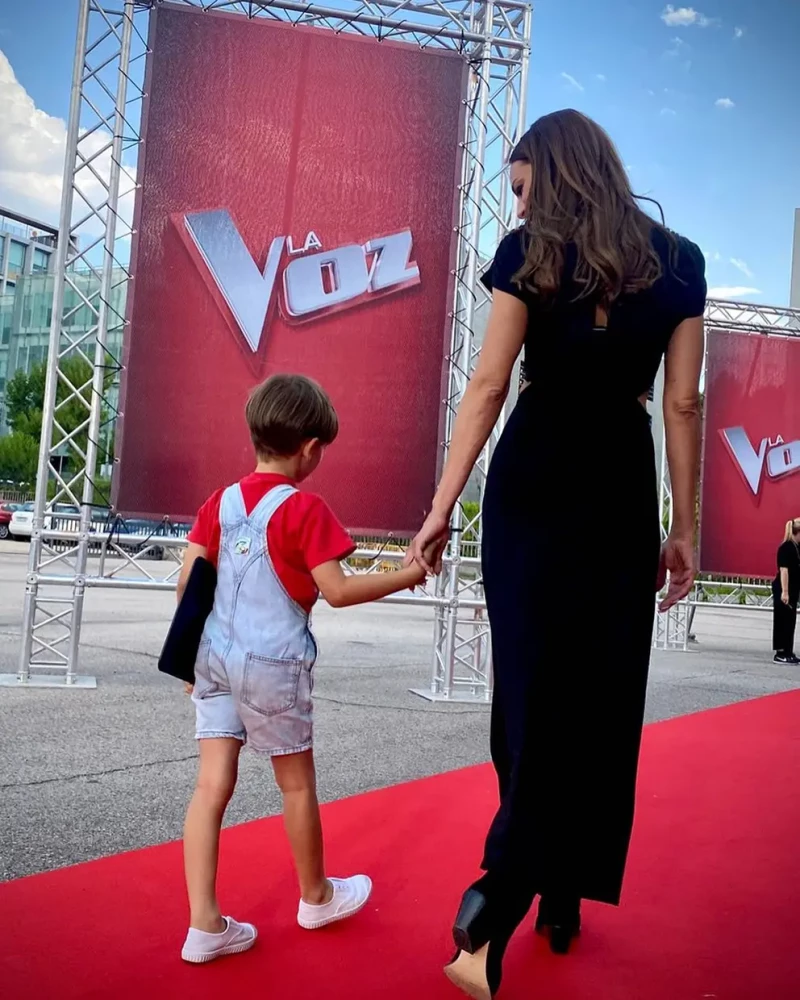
(580, 194)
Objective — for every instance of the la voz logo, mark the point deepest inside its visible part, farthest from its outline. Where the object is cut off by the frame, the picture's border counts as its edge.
(777, 458)
(307, 281)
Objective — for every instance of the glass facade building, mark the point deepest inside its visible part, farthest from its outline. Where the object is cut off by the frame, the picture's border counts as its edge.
(26, 315)
(26, 247)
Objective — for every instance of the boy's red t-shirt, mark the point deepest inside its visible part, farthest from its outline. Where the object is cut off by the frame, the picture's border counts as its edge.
(303, 533)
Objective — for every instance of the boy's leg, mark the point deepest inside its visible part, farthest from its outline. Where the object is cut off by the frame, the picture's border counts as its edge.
(216, 780)
(297, 780)
(323, 901)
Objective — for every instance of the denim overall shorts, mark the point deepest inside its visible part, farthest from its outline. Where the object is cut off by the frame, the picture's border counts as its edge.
(253, 675)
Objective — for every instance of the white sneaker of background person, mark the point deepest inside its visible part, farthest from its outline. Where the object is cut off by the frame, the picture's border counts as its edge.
(203, 946)
(348, 896)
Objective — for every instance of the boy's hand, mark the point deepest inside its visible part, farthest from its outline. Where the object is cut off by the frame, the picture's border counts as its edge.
(188, 688)
(418, 575)
(429, 555)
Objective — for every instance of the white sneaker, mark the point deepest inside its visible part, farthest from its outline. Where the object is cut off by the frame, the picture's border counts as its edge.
(200, 946)
(349, 896)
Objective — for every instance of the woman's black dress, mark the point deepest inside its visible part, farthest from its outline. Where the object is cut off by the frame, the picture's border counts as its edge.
(570, 559)
(784, 616)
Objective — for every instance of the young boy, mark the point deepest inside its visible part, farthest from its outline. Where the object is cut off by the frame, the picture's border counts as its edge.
(275, 550)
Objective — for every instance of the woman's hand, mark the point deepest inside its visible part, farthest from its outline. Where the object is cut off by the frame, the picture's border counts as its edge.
(785, 597)
(429, 544)
(677, 558)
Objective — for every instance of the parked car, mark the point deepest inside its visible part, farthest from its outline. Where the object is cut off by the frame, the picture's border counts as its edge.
(6, 512)
(21, 525)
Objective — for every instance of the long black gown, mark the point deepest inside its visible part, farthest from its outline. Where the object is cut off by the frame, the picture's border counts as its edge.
(570, 558)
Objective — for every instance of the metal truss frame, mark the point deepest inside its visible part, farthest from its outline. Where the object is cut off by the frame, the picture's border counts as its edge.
(673, 630)
(103, 137)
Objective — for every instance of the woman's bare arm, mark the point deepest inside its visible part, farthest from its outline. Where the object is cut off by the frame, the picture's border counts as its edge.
(484, 397)
(784, 582)
(683, 365)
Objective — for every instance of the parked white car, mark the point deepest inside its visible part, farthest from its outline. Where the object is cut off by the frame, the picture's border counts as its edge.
(21, 525)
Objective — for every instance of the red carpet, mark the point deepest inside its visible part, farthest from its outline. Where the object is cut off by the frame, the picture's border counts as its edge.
(710, 908)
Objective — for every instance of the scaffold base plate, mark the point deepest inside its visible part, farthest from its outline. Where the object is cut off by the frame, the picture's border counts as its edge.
(47, 681)
(457, 698)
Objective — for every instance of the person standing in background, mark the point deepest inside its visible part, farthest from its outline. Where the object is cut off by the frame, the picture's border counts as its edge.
(785, 594)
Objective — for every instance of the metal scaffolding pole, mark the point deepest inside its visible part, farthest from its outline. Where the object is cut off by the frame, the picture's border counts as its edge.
(41, 609)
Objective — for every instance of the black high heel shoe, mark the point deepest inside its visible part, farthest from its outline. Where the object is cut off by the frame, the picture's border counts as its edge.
(560, 920)
(481, 940)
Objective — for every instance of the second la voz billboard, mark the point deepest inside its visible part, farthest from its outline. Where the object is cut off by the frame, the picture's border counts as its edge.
(296, 214)
(751, 458)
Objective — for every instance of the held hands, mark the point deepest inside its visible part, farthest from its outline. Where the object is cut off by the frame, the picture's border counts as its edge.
(677, 559)
(427, 548)
(418, 572)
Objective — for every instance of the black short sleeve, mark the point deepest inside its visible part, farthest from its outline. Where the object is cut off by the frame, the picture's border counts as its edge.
(509, 258)
(691, 289)
(787, 556)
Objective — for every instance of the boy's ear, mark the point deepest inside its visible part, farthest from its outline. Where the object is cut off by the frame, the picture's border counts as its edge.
(309, 446)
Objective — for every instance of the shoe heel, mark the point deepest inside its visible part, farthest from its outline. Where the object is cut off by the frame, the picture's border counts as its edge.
(471, 928)
(558, 924)
(561, 939)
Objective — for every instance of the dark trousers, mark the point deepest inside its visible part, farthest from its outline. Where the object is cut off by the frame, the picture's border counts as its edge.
(784, 622)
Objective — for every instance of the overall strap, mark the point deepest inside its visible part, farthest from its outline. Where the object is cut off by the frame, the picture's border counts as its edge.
(262, 513)
(231, 509)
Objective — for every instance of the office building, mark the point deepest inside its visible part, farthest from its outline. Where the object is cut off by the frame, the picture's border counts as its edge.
(26, 247)
(25, 318)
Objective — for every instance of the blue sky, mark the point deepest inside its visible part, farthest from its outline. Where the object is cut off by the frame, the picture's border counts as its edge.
(703, 102)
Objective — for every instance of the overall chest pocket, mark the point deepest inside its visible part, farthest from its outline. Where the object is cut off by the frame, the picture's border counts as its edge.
(270, 686)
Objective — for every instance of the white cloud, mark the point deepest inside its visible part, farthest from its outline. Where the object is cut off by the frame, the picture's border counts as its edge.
(738, 32)
(32, 147)
(601, 77)
(572, 81)
(684, 17)
(668, 113)
(31, 150)
(741, 265)
(732, 292)
(725, 103)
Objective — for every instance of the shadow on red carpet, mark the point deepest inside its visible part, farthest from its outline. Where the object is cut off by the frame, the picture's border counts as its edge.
(709, 909)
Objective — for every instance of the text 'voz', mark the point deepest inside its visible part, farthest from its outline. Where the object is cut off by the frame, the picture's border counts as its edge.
(315, 281)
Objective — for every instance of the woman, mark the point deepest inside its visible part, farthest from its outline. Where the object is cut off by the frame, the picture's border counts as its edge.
(596, 292)
(785, 594)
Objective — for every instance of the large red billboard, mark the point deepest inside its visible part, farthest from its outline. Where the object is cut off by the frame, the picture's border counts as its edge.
(751, 462)
(296, 214)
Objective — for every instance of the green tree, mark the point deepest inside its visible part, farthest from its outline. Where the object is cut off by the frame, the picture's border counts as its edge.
(25, 401)
(19, 454)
